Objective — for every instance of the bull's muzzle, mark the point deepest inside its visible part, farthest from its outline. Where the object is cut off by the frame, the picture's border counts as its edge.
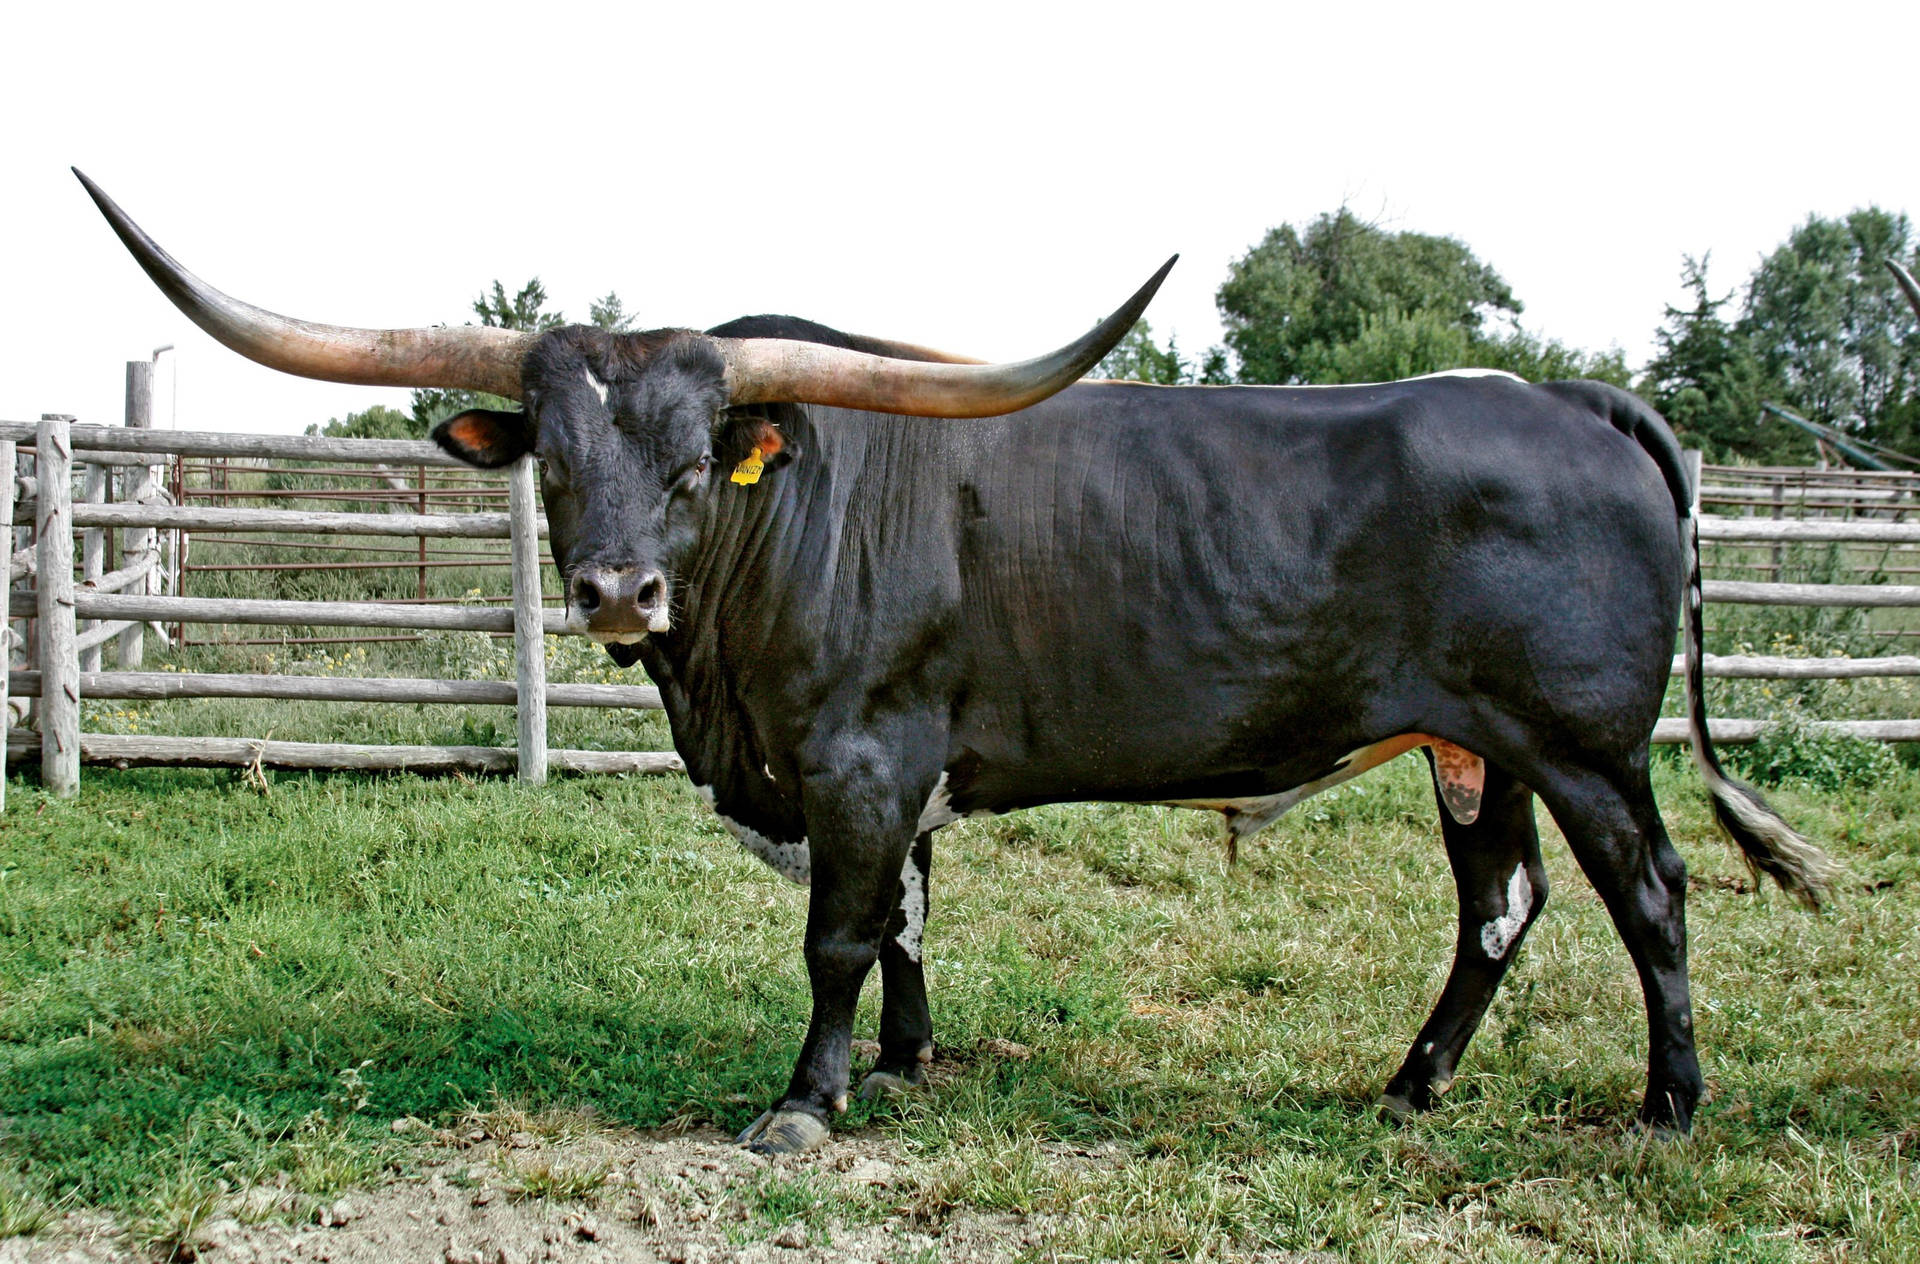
(619, 604)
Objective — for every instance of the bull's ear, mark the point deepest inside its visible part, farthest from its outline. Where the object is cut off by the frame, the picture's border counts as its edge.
(740, 436)
(485, 437)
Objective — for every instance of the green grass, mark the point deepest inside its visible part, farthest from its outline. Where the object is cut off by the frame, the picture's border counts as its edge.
(200, 982)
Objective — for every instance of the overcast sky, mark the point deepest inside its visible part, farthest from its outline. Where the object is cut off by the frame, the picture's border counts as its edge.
(987, 178)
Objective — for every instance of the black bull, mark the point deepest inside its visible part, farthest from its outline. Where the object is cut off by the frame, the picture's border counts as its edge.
(1219, 597)
(866, 625)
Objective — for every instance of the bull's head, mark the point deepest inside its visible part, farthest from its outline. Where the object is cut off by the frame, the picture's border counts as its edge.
(630, 429)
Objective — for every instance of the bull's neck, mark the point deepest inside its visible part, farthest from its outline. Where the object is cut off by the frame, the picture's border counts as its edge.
(742, 598)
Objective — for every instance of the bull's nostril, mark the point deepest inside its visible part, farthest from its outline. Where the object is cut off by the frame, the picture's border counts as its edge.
(651, 591)
(586, 595)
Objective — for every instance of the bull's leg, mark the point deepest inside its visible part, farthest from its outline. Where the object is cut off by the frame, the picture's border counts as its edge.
(1502, 888)
(860, 826)
(1615, 831)
(906, 1028)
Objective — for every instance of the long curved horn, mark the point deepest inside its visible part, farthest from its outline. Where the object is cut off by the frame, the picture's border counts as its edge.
(1907, 285)
(478, 358)
(770, 370)
(914, 351)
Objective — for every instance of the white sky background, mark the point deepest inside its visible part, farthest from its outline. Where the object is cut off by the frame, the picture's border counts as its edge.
(980, 177)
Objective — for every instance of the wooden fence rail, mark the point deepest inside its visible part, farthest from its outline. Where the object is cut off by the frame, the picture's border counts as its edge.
(122, 601)
(55, 604)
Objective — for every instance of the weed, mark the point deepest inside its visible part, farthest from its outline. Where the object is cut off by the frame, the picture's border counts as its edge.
(1791, 749)
(537, 1178)
(21, 1210)
(169, 1220)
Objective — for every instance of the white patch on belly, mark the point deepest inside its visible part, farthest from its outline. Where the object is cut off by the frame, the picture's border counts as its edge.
(792, 861)
(913, 903)
(937, 812)
(599, 387)
(939, 809)
(1498, 935)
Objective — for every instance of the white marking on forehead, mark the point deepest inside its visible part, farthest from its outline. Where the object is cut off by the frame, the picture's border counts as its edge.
(1498, 935)
(792, 861)
(599, 387)
(913, 903)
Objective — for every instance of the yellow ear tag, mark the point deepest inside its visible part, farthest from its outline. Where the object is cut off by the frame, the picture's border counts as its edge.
(748, 471)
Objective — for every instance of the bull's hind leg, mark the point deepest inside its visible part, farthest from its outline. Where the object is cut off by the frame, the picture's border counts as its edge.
(906, 1028)
(1615, 831)
(1502, 888)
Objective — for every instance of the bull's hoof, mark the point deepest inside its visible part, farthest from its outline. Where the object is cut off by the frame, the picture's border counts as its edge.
(1662, 1129)
(1398, 1107)
(784, 1132)
(886, 1084)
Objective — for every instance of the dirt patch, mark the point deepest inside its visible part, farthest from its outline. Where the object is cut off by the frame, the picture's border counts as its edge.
(591, 1199)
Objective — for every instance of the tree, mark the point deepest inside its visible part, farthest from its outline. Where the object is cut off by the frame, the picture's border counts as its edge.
(1822, 329)
(609, 314)
(378, 422)
(1704, 378)
(1541, 359)
(1292, 301)
(1829, 328)
(1137, 358)
(525, 310)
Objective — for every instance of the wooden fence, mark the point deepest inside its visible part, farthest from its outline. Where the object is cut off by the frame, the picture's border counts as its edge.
(63, 664)
(123, 605)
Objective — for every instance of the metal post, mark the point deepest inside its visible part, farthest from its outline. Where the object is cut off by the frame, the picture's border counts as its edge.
(6, 624)
(59, 664)
(177, 574)
(137, 542)
(423, 539)
(529, 641)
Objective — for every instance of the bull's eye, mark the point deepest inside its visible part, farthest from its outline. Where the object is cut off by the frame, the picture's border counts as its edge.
(699, 470)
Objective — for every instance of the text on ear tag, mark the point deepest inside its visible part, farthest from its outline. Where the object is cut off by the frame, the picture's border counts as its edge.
(748, 471)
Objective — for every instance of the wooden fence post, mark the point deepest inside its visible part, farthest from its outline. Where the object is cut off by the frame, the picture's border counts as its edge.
(136, 542)
(6, 621)
(529, 638)
(59, 663)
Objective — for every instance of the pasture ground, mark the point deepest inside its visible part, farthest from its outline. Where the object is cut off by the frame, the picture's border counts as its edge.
(217, 998)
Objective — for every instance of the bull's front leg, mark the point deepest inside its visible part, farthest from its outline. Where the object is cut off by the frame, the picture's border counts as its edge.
(861, 819)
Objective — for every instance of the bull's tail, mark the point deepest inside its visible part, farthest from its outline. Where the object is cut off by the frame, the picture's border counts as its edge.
(1767, 843)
